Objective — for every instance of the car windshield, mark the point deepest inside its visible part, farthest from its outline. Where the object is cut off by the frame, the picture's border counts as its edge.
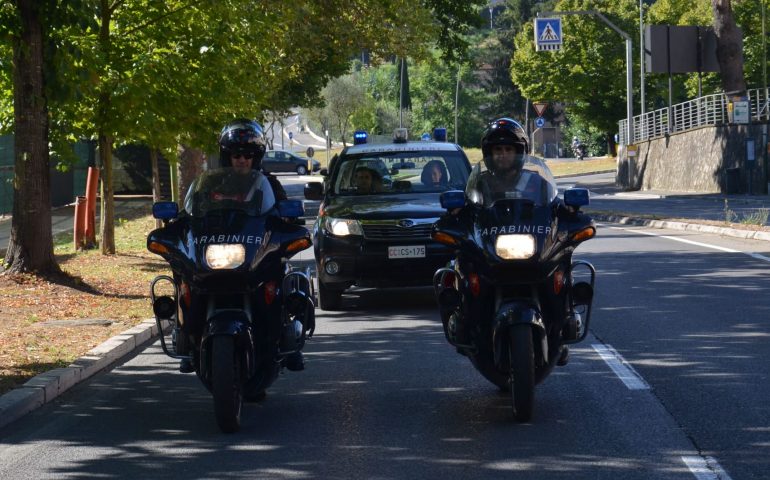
(227, 189)
(378, 173)
(535, 183)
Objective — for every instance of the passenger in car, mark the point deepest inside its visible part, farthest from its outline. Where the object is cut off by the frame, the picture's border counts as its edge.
(367, 180)
(434, 174)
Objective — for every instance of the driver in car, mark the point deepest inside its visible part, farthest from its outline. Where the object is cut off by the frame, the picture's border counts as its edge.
(367, 180)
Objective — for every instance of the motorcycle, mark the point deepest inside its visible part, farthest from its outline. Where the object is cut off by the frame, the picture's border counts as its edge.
(513, 299)
(579, 150)
(238, 313)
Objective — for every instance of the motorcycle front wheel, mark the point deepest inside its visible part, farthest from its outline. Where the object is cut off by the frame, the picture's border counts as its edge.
(522, 358)
(225, 384)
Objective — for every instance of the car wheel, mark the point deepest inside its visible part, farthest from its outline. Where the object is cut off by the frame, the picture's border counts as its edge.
(301, 170)
(329, 298)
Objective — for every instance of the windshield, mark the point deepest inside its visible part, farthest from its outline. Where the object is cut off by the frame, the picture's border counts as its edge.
(382, 173)
(535, 182)
(227, 189)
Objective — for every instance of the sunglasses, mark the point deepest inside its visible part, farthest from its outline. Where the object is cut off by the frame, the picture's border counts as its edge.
(247, 156)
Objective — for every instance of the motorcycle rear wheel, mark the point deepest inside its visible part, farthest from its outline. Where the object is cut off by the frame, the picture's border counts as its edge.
(225, 384)
(522, 357)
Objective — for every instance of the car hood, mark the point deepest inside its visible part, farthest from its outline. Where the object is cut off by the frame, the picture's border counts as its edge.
(425, 205)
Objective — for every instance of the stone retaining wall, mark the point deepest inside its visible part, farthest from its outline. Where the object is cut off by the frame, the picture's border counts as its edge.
(707, 160)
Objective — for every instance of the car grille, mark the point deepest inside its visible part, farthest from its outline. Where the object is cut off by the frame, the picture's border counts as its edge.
(396, 232)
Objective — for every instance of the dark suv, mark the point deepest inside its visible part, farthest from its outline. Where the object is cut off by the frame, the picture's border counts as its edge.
(380, 236)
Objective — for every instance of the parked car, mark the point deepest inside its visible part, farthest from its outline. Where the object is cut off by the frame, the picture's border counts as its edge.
(279, 161)
(382, 238)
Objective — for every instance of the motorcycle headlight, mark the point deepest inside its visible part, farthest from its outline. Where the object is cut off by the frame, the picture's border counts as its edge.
(515, 246)
(223, 256)
(342, 227)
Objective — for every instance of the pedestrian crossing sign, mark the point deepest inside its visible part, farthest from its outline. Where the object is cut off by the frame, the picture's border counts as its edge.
(547, 34)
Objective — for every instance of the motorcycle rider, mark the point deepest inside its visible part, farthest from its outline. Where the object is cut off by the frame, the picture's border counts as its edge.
(504, 147)
(578, 149)
(242, 146)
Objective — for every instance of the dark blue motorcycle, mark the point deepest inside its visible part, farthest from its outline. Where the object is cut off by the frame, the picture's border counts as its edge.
(238, 313)
(510, 300)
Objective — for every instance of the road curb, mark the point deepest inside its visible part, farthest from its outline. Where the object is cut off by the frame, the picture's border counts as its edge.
(45, 387)
(678, 225)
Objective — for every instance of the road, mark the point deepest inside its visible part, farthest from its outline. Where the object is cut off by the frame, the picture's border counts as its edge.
(384, 396)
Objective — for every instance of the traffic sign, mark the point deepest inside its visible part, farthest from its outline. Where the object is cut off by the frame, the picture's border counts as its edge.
(539, 122)
(291, 135)
(310, 152)
(539, 108)
(548, 34)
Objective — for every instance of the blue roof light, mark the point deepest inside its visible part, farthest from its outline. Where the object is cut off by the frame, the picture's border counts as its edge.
(359, 137)
(439, 134)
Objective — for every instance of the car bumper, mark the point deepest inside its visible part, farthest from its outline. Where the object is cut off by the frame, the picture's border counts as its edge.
(366, 264)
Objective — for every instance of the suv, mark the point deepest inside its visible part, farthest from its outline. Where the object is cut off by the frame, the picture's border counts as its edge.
(380, 237)
(277, 161)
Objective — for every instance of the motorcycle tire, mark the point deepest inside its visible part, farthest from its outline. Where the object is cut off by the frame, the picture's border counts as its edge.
(329, 298)
(225, 384)
(522, 357)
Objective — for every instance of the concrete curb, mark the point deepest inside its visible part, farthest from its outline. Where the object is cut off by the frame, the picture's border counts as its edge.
(677, 225)
(47, 386)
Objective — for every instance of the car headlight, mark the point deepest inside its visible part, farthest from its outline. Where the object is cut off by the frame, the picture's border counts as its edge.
(222, 256)
(515, 246)
(342, 227)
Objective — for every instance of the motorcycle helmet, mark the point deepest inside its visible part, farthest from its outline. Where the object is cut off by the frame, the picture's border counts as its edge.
(504, 131)
(242, 136)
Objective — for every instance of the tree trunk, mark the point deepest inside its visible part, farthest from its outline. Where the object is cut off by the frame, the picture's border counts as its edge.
(30, 248)
(108, 202)
(192, 162)
(729, 48)
(105, 141)
(155, 182)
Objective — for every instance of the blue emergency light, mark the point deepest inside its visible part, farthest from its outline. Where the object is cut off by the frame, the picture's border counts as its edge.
(359, 137)
(439, 134)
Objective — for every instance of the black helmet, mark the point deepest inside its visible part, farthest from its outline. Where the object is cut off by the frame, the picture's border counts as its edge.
(242, 136)
(504, 131)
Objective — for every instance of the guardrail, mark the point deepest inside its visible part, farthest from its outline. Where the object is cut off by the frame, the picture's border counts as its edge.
(706, 110)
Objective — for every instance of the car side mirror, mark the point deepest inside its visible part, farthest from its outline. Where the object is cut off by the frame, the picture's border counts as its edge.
(394, 170)
(165, 210)
(576, 197)
(291, 208)
(452, 199)
(314, 190)
(324, 172)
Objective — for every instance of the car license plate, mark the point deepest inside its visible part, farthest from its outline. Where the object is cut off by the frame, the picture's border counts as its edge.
(407, 251)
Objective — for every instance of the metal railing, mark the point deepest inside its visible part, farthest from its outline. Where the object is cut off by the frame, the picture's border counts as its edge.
(706, 110)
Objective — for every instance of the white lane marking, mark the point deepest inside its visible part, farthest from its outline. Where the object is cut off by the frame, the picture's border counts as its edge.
(621, 367)
(757, 256)
(705, 468)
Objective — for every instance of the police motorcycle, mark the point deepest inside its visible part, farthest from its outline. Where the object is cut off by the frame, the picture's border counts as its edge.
(238, 313)
(510, 300)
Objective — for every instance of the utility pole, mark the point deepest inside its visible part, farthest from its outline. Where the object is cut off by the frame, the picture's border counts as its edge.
(641, 56)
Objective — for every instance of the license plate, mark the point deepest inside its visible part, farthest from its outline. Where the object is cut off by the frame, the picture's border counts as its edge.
(407, 251)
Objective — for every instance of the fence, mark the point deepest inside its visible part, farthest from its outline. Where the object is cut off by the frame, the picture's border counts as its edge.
(706, 110)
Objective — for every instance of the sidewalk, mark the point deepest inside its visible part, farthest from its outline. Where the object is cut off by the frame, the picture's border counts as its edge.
(656, 209)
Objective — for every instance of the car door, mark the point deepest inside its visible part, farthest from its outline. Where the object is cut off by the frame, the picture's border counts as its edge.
(270, 162)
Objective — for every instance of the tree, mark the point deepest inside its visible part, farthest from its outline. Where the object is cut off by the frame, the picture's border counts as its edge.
(729, 48)
(31, 243)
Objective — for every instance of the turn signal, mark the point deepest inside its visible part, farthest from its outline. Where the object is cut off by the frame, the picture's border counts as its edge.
(475, 284)
(558, 281)
(584, 234)
(184, 289)
(158, 248)
(444, 238)
(298, 245)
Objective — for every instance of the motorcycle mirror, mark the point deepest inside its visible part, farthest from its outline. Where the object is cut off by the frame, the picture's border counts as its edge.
(576, 197)
(291, 208)
(314, 191)
(452, 199)
(165, 210)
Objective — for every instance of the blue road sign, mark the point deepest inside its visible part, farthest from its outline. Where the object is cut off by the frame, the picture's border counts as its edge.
(291, 135)
(539, 122)
(548, 34)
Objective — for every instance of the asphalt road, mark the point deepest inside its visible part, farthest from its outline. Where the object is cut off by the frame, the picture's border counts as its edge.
(384, 396)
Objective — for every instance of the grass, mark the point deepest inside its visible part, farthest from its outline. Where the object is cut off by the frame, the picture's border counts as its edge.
(93, 286)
